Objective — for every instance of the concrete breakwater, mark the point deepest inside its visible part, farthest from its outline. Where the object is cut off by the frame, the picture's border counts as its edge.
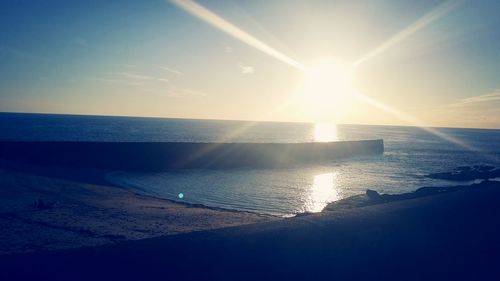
(157, 156)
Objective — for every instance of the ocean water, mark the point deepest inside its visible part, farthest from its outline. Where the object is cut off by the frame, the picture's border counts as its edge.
(410, 154)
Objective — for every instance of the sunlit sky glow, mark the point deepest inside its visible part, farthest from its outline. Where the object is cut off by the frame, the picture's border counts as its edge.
(432, 63)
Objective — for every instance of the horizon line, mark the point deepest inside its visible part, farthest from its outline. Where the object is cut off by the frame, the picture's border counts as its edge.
(243, 120)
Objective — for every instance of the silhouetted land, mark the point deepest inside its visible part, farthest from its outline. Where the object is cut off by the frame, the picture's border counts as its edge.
(451, 235)
(467, 173)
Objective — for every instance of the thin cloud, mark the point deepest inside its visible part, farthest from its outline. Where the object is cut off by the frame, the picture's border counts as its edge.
(151, 85)
(178, 92)
(171, 70)
(143, 78)
(245, 69)
(173, 91)
(137, 76)
(479, 111)
(122, 82)
(491, 97)
(131, 79)
(495, 96)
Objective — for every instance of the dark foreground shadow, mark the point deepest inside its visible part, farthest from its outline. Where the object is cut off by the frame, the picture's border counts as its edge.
(452, 236)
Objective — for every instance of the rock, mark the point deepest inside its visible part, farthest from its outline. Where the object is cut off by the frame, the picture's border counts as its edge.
(372, 194)
(303, 214)
(466, 173)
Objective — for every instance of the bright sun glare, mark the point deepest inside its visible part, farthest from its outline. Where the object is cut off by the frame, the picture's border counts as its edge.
(326, 90)
(325, 132)
(324, 190)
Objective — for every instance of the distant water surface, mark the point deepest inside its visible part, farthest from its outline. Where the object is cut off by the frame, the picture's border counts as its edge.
(410, 154)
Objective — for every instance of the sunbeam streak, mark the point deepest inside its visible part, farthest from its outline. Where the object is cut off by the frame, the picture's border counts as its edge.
(223, 25)
(213, 19)
(421, 23)
(414, 121)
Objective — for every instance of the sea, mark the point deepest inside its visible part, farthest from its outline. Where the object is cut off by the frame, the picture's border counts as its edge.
(411, 153)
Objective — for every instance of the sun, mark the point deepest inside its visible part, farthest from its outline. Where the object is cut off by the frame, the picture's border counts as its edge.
(326, 90)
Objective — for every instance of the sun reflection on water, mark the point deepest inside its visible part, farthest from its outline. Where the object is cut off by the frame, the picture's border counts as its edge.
(325, 132)
(324, 190)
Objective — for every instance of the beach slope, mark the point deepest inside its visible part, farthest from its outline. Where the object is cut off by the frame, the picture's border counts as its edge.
(40, 213)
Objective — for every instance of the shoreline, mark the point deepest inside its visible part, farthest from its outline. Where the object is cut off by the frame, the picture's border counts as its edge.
(99, 178)
(76, 220)
(456, 234)
(78, 214)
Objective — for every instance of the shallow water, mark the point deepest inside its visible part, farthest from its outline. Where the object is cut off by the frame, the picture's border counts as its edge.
(410, 154)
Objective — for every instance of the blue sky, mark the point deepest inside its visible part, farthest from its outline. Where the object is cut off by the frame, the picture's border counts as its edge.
(152, 58)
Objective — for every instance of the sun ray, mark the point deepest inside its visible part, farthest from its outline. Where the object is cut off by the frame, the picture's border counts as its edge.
(432, 16)
(213, 19)
(223, 25)
(411, 120)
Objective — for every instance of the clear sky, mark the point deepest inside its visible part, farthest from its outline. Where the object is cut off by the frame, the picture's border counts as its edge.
(435, 63)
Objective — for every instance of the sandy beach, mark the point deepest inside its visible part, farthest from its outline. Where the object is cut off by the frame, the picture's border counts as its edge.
(89, 214)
